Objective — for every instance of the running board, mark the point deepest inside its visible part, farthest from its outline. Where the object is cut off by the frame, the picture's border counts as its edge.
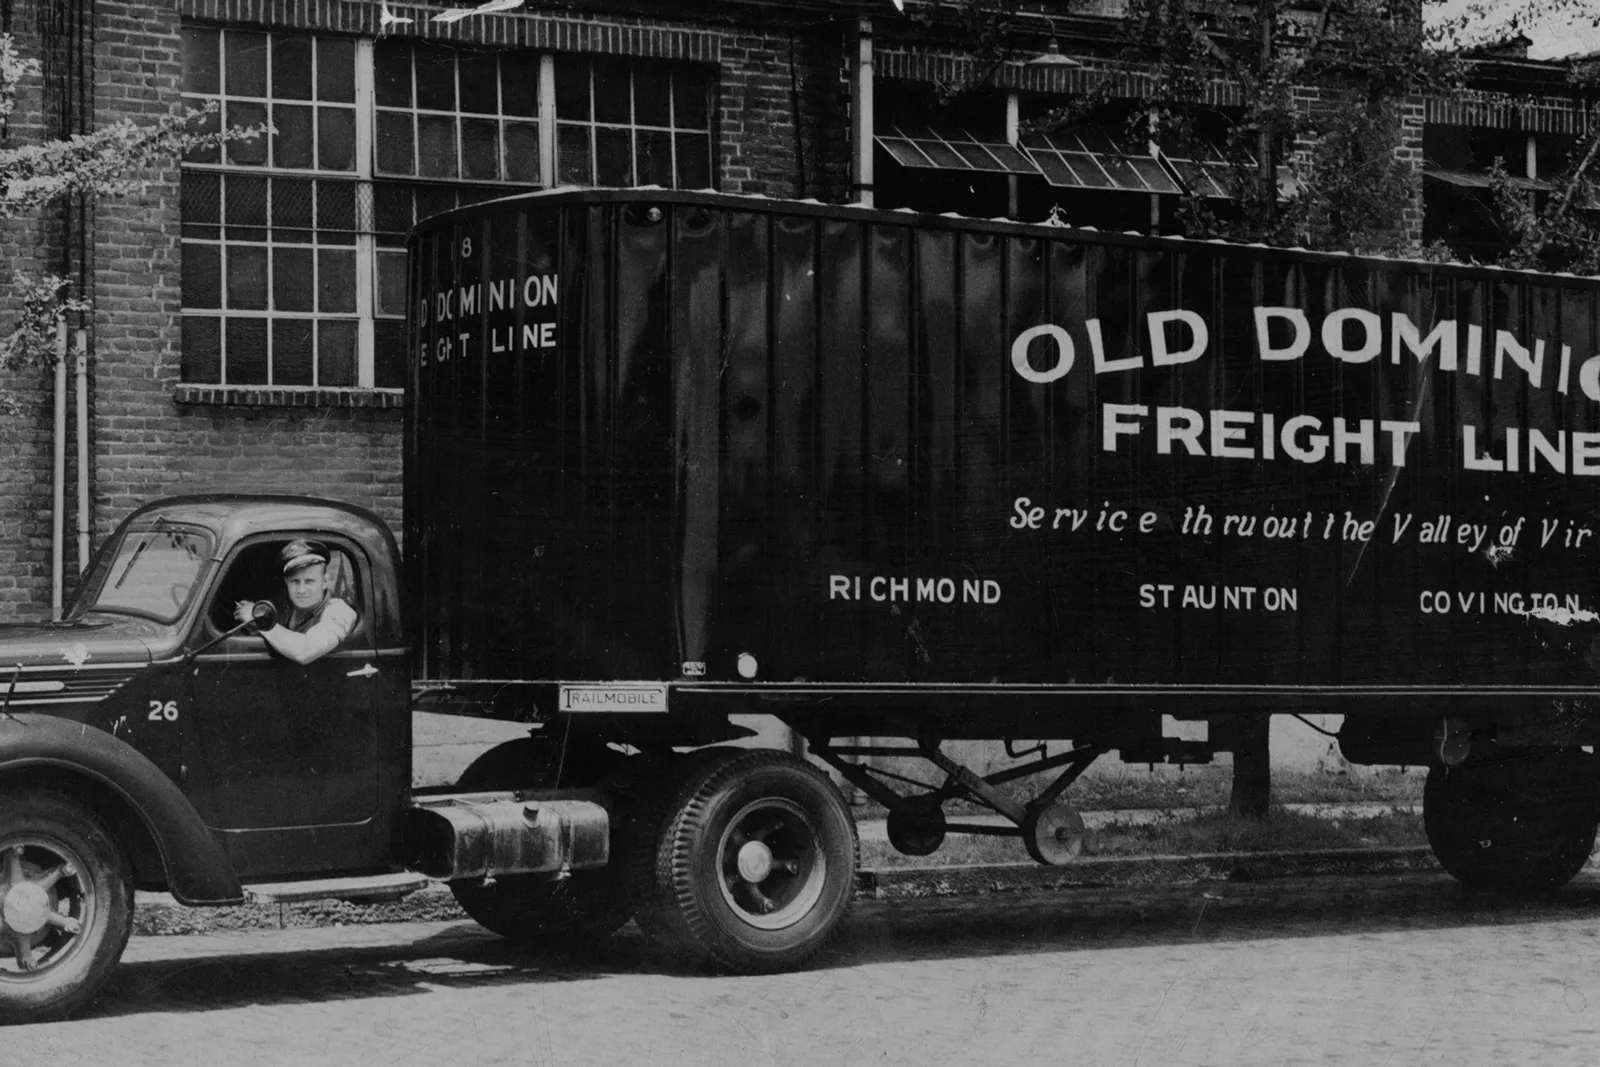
(365, 888)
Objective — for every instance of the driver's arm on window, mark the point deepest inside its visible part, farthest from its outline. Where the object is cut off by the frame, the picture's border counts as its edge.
(338, 619)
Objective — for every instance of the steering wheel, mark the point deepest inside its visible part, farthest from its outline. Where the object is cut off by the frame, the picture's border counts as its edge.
(179, 593)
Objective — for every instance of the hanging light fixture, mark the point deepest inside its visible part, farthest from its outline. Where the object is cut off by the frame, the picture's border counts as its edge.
(1052, 57)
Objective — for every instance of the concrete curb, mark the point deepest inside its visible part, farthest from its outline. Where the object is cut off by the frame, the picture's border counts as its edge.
(158, 913)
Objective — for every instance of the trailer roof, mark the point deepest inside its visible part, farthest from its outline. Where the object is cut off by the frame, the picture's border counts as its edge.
(950, 220)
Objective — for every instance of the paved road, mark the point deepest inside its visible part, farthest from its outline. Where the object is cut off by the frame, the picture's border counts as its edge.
(1364, 971)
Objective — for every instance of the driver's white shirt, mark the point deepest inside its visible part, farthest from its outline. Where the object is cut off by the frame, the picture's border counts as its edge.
(338, 619)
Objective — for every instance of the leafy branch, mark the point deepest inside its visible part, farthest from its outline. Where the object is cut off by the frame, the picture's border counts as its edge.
(106, 162)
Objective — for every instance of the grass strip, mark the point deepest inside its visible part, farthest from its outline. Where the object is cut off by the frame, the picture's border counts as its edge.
(1207, 832)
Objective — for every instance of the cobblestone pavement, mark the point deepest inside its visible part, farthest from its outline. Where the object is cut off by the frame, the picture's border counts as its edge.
(1404, 969)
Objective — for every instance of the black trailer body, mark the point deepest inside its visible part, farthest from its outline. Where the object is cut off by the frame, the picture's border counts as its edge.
(856, 459)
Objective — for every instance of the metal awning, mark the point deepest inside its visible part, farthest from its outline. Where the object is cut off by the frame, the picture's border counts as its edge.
(1471, 179)
(1208, 172)
(952, 148)
(1091, 157)
(1084, 157)
(1088, 158)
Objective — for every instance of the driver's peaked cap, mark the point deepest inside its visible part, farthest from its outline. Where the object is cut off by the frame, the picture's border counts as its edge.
(298, 555)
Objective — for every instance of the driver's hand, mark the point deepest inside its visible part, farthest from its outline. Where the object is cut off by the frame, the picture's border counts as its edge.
(242, 610)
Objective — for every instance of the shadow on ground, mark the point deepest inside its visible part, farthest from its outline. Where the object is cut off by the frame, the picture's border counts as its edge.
(263, 967)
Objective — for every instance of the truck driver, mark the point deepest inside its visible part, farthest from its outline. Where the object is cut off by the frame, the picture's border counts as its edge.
(317, 621)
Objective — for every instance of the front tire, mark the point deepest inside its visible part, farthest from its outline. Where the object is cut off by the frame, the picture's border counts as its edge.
(755, 869)
(66, 905)
(1523, 826)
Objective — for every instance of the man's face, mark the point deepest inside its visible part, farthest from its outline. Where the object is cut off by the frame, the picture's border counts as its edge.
(308, 585)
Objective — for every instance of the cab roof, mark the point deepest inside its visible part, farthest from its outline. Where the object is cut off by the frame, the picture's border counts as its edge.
(233, 517)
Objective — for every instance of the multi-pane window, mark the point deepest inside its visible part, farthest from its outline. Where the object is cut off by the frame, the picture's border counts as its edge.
(451, 113)
(303, 87)
(269, 280)
(621, 124)
(294, 266)
(273, 233)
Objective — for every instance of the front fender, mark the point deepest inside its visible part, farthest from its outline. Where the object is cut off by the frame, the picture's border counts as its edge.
(197, 870)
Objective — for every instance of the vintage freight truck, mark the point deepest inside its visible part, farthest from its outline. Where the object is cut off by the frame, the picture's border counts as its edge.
(676, 457)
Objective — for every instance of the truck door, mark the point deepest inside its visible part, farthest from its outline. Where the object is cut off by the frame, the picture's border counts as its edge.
(289, 765)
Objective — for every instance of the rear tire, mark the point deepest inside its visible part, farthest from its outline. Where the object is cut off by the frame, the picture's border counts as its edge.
(583, 908)
(755, 868)
(1521, 826)
(635, 845)
(539, 762)
(537, 909)
(66, 905)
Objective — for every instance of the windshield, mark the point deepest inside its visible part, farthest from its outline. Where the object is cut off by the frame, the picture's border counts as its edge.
(152, 571)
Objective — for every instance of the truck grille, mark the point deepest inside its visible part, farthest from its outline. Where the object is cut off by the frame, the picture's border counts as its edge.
(49, 686)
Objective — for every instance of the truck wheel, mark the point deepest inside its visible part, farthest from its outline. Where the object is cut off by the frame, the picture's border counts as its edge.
(66, 905)
(577, 910)
(535, 763)
(1505, 828)
(756, 867)
(637, 841)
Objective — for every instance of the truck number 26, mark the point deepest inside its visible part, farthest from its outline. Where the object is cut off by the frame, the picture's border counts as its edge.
(163, 711)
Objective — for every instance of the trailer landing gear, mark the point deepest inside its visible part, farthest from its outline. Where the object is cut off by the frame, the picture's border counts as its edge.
(1052, 831)
(1053, 834)
(916, 827)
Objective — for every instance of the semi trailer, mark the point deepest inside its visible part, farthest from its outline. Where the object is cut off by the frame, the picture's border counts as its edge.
(899, 481)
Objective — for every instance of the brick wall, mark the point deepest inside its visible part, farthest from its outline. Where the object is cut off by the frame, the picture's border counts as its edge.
(1409, 150)
(31, 244)
(146, 443)
(783, 116)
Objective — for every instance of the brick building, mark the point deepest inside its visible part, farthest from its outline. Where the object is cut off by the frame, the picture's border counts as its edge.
(248, 303)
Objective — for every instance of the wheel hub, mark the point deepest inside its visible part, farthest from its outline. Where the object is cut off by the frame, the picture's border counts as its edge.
(26, 908)
(755, 861)
(772, 871)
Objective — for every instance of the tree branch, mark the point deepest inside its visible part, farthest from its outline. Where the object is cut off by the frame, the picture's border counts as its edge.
(1577, 175)
(1201, 36)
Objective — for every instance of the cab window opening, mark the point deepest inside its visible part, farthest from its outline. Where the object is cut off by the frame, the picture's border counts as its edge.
(255, 573)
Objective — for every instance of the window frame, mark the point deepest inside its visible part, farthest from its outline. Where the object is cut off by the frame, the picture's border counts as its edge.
(376, 253)
(361, 241)
(278, 538)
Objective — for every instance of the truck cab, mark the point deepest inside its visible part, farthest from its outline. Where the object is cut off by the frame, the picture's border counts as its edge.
(294, 769)
(210, 762)
(150, 739)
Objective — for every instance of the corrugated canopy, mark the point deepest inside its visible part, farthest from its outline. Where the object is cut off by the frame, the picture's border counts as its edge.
(952, 148)
(1087, 157)
(1084, 157)
(1093, 157)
